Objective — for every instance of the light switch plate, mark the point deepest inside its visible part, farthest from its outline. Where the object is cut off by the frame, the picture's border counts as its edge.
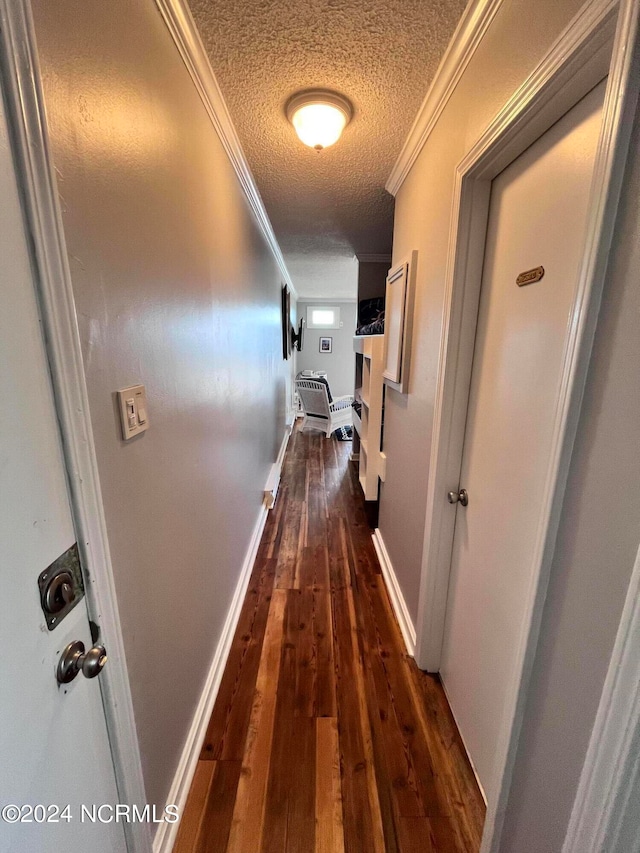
(134, 414)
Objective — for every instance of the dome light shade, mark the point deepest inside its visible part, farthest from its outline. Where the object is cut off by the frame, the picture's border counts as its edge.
(319, 117)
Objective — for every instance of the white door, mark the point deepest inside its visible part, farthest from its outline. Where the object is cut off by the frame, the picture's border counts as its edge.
(53, 739)
(537, 217)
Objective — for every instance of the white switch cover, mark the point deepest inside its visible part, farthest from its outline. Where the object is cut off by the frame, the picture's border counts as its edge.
(134, 416)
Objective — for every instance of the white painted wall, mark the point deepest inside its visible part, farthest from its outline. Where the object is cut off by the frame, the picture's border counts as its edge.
(340, 364)
(175, 288)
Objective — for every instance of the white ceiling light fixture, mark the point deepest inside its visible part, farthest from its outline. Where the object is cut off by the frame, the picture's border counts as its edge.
(319, 116)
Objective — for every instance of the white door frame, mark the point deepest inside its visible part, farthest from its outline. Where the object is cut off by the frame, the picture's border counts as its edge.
(606, 804)
(37, 184)
(601, 40)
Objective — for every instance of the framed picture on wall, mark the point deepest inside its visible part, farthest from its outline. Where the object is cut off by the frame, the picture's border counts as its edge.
(326, 344)
(398, 324)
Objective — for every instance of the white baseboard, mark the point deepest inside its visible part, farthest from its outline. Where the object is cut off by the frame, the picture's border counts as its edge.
(398, 603)
(167, 832)
(273, 480)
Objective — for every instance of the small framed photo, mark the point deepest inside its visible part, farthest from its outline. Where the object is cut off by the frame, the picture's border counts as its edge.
(326, 344)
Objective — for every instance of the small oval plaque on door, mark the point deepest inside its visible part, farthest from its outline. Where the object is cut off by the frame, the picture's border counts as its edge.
(530, 276)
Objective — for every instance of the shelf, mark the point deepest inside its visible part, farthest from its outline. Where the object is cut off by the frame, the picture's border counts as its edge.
(364, 345)
(369, 356)
(357, 422)
(364, 422)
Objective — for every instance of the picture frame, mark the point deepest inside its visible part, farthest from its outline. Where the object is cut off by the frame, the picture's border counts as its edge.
(394, 322)
(326, 345)
(399, 324)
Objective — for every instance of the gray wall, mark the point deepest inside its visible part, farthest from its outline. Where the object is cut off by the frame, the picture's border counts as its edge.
(175, 288)
(600, 526)
(340, 364)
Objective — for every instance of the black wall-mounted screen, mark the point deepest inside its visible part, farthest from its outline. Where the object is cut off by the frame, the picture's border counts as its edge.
(286, 322)
(297, 338)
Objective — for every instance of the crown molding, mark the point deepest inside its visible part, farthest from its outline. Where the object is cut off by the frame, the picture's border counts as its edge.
(325, 300)
(183, 30)
(473, 25)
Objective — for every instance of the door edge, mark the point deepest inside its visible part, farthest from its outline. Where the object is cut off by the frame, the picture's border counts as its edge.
(37, 183)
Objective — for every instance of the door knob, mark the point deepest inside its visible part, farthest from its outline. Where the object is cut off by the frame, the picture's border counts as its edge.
(75, 659)
(461, 497)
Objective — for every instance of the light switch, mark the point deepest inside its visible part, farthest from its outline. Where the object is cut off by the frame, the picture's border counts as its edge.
(132, 403)
(131, 412)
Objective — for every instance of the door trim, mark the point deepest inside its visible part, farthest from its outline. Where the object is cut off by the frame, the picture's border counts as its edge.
(609, 785)
(599, 41)
(37, 182)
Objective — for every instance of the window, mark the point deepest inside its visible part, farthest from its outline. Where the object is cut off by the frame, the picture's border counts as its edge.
(323, 317)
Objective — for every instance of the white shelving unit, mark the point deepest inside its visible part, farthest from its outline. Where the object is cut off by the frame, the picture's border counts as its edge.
(369, 351)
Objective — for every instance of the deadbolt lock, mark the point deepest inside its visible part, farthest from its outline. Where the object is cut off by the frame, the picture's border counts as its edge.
(59, 592)
(75, 659)
(60, 586)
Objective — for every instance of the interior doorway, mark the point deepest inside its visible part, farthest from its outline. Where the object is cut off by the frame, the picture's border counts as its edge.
(535, 238)
(54, 741)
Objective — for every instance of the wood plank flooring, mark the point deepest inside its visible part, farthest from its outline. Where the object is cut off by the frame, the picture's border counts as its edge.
(325, 736)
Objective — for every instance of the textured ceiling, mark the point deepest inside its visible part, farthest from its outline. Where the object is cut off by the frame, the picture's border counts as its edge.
(381, 54)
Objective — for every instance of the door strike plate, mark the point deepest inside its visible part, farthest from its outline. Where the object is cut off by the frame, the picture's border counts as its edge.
(61, 587)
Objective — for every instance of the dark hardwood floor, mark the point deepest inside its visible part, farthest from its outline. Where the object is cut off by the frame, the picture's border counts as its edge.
(325, 736)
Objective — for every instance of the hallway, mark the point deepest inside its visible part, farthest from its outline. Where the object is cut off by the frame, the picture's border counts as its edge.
(325, 736)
